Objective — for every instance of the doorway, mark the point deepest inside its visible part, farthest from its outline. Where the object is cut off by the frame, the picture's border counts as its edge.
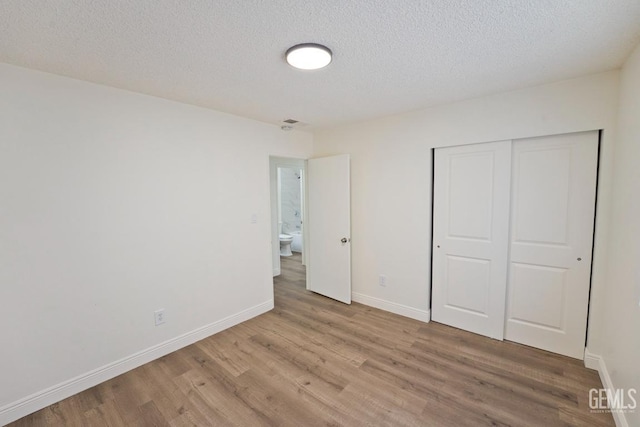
(288, 194)
(325, 223)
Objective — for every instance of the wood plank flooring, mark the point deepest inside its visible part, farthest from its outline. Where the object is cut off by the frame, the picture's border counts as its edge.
(313, 361)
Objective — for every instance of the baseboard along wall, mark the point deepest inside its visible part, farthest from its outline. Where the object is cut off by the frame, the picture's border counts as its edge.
(402, 310)
(58, 392)
(596, 362)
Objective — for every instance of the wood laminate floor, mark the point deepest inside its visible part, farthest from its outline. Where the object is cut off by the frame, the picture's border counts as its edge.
(313, 361)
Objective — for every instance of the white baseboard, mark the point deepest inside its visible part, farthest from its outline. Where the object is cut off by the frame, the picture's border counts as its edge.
(594, 361)
(44, 398)
(402, 310)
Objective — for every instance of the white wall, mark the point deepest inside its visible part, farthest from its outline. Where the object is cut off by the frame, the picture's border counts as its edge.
(115, 204)
(391, 179)
(621, 349)
(290, 200)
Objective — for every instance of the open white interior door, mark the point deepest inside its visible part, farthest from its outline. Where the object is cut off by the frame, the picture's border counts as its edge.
(329, 227)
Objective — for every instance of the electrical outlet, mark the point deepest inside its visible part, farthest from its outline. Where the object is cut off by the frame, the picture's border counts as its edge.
(159, 316)
(382, 280)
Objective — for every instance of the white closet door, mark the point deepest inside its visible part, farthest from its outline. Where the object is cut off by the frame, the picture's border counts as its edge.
(471, 225)
(552, 213)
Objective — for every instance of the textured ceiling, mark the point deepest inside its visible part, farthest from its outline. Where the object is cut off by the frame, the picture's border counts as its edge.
(390, 56)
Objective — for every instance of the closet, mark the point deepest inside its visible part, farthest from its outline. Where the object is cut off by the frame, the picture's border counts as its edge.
(512, 239)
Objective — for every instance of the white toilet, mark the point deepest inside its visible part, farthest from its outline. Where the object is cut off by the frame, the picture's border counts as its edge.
(285, 244)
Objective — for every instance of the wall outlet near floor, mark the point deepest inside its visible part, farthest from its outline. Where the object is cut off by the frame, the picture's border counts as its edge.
(159, 316)
(382, 280)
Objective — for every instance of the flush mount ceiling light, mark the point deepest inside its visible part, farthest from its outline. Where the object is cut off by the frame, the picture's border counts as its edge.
(308, 56)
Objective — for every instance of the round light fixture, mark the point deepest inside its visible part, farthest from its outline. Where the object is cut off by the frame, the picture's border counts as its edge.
(308, 56)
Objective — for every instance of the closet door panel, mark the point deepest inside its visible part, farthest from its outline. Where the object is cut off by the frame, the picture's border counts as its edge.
(552, 214)
(471, 208)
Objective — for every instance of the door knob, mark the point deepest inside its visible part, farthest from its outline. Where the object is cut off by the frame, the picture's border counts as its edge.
(344, 240)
